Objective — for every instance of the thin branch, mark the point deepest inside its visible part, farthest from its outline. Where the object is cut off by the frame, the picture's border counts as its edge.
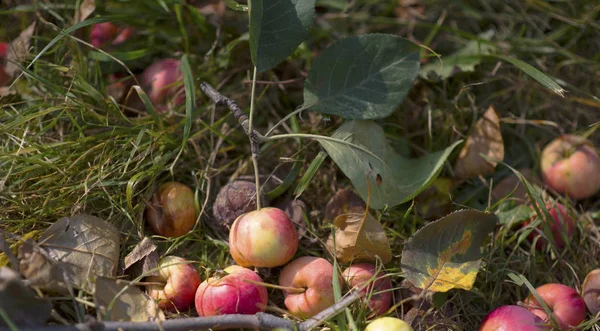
(328, 313)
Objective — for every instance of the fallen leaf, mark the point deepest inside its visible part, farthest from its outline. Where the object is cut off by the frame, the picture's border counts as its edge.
(86, 8)
(435, 201)
(118, 300)
(446, 254)
(486, 139)
(15, 246)
(359, 237)
(18, 50)
(513, 186)
(144, 258)
(86, 247)
(409, 10)
(19, 304)
(40, 270)
(343, 201)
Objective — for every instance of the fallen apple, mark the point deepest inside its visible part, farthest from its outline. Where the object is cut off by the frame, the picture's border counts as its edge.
(591, 291)
(231, 293)
(233, 200)
(388, 324)
(180, 283)
(263, 238)
(171, 211)
(567, 306)
(162, 82)
(315, 276)
(379, 289)
(103, 33)
(512, 318)
(571, 165)
(4, 77)
(561, 224)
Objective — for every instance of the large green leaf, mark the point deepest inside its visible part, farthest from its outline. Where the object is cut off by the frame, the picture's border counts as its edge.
(277, 27)
(362, 77)
(394, 178)
(446, 254)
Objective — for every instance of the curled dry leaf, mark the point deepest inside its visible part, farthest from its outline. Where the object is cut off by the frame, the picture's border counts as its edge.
(85, 246)
(40, 270)
(18, 51)
(118, 300)
(143, 258)
(485, 139)
(86, 8)
(344, 201)
(359, 237)
(19, 303)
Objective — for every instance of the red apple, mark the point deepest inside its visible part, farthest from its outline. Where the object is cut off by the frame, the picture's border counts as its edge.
(571, 165)
(181, 280)
(103, 33)
(231, 293)
(378, 291)
(4, 77)
(388, 324)
(263, 238)
(3, 49)
(315, 275)
(567, 306)
(162, 82)
(561, 223)
(171, 212)
(512, 318)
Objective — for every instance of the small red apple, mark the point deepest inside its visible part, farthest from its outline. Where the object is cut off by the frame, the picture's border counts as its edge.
(388, 324)
(181, 280)
(263, 238)
(561, 223)
(379, 289)
(171, 212)
(568, 307)
(314, 274)
(231, 293)
(571, 165)
(512, 318)
(103, 33)
(591, 291)
(162, 82)
(4, 77)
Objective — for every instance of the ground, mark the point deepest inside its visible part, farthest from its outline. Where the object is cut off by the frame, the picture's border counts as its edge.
(66, 148)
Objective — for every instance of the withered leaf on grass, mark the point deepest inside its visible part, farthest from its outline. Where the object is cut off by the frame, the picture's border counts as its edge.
(18, 50)
(343, 201)
(19, 303)
(143, 258)
(131, 304)
(446, 254)
(86, 8)
(359, 237)
(40, 270)
(485, 139)
(85, 246)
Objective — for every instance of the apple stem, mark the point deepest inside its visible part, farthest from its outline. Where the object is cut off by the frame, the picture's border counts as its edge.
(278, 287)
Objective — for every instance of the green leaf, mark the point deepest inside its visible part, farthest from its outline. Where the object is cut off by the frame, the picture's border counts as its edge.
(277, 27)
(464, 60)
(394, 178)
(446, 254)
(362, 77)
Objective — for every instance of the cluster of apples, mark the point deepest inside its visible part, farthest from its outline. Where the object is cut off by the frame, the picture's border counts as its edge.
(570, 166)
(257, 238)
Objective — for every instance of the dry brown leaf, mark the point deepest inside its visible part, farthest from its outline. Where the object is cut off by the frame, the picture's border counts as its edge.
(295, 209)
(131, 305)
(19, 303)
(85, 10)
(343, 202)
(486, 139)
(40, 270)
(18, 50)
(512, 185)
(144, 258)
(359, 237)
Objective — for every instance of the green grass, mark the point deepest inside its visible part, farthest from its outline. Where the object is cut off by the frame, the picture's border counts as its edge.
(66, 148)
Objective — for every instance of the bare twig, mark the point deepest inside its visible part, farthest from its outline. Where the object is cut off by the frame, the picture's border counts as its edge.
(217, 98)
(331, 311)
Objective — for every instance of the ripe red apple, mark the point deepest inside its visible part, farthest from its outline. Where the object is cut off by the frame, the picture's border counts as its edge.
(561, 223)
(568, 308)
(263, 238)
(512, 318)
(103, 33)
(231, 293)
(181, 280)
(4, 77)
(162, 82)
(315, 275)
(171, 212)
(571, 165)
(378, 291)
(591, 291)
(388, 324)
